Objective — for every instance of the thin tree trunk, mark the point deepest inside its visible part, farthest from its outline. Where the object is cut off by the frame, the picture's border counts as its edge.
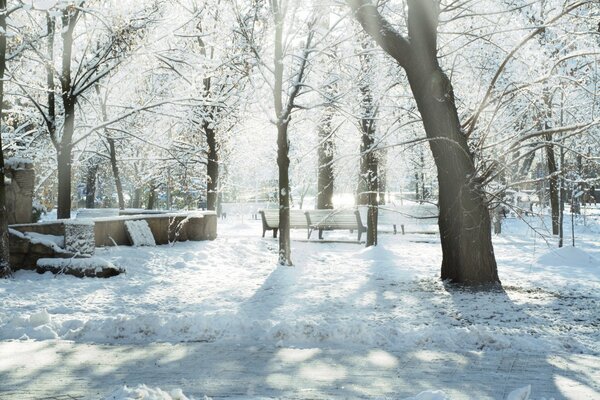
(325, 175)
(382, 176)
(137, 198)
(115, 169)
(151, 198)
(283, 117)
(283, 162)
(464, 221)
(212, 168)
(369, 180)
(112, 152)
(5, 267)
(553, 184)
(64, 156)
(90, 185)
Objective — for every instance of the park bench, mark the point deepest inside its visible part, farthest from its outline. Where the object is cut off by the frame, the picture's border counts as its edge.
(333, 220)
(270, 220)
(421, 218)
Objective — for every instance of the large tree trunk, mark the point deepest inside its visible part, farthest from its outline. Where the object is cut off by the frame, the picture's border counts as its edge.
(5, 268)
(464, 222)
(212, 168)
(325, 176)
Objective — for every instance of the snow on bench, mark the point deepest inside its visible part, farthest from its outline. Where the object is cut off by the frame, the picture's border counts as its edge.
(80, 267)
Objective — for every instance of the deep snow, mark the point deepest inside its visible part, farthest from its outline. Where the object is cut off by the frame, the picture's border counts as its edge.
(338, 294)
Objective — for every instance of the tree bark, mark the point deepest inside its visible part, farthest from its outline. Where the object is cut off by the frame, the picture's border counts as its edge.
(212, 167)
(137, 198)
(115, 169)
(90, 185)
(325, 175)
(464, 221)
(151, 198)
(112, 152)
(368, 187)
(553, 185)
(64, 156)
(5, 267)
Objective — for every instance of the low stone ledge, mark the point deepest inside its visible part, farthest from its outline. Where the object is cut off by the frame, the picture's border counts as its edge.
(91, 267)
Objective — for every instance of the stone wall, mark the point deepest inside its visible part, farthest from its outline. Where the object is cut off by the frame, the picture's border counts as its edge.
(19, 190)
(165, 228)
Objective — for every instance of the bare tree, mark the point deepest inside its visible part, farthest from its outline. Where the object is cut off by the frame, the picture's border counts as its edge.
(283, 112)
(464, 221)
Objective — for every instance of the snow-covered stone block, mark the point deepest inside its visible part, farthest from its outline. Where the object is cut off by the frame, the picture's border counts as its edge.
(79, 237)
(139, 233)
(81, 267)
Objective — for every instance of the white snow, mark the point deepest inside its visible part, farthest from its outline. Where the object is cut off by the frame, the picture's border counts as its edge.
(89, 263)
(18, 163)
(139, 232)
(232, 291)
(143, 392)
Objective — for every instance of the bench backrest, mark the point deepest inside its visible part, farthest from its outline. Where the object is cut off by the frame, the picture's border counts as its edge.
(334, 219)
(271, 218)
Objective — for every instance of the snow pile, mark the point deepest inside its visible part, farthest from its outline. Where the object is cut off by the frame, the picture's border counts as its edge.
(568, 256)
(139, 233)
(37, 326)
(143, 392)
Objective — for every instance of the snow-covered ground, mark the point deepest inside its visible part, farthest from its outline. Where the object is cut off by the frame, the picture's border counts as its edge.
(337, 295)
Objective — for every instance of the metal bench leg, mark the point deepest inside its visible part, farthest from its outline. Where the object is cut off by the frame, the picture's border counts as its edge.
(359, 234)
(402, 226)
(395, 231)
(320, 233)
(275, 233)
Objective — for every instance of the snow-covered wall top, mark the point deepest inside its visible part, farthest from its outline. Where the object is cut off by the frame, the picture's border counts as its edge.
(18, 163)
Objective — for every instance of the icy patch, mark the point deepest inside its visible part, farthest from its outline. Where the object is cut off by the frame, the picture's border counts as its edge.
(139, 232)
(568, 257)
(143, 392)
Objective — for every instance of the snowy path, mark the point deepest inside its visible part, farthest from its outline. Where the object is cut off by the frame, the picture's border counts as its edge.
(62, 370)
